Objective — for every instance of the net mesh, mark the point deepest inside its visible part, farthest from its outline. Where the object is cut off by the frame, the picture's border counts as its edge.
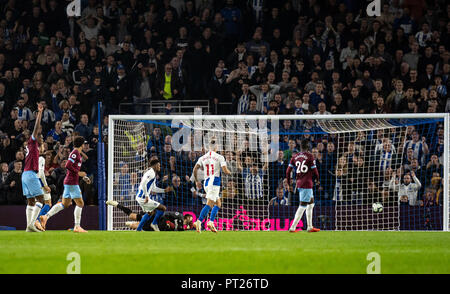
(360, 162)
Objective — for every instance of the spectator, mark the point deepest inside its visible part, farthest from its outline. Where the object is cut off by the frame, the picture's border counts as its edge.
(280, 199)
(13, 185)
(4, 172)
(84, 128)
(168, 84)
(407, 192)
(264, 94)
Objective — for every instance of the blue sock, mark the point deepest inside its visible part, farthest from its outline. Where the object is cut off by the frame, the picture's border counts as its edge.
(44, 210)
(144, 219)
(157, 216)
(204, 212)
(214, 213)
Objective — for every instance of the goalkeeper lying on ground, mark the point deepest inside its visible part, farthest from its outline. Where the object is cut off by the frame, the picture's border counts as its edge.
(169, 221)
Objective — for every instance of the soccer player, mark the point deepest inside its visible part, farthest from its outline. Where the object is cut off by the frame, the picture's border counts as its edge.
(71, 187)
(169, 221)
(306, 169)
(46, 189)
(30, 182)
(148, 185)
(211, 163)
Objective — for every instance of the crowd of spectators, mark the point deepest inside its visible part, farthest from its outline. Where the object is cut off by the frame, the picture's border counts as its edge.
(243, 57)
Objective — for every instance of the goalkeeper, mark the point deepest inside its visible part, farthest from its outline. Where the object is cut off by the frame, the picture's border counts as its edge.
(169, 221)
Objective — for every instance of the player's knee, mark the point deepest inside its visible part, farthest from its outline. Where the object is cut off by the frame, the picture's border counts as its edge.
(162, 207)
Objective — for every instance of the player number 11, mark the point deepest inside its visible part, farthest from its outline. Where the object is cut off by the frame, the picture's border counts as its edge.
(208, 167)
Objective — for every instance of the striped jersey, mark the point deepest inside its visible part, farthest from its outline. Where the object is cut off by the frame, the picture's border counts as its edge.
(148, 185)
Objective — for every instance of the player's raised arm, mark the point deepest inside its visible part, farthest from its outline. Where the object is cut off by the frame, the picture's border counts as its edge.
(37, 125)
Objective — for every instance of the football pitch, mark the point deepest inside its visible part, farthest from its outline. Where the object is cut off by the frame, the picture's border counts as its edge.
(326, 252)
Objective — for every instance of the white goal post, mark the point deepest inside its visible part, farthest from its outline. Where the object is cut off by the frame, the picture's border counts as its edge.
(372, 158)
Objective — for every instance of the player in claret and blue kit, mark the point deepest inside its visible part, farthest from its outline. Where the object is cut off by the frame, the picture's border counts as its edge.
(71, 187)
(305, 170)
(31, 185)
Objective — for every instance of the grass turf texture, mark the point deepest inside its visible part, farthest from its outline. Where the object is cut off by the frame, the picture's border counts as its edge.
(225, 252)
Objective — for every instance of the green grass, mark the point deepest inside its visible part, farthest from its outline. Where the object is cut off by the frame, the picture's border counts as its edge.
(224, 253)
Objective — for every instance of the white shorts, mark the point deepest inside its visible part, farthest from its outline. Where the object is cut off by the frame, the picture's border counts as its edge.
(149, 206)
(47, 197)
(212, 192)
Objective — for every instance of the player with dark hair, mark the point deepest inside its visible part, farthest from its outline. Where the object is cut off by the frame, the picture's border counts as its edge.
(306, 169)
(169, 221)
(31, 185)
(71, 187)
(148, 185)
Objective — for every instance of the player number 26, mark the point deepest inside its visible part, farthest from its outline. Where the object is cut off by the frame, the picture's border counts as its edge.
(301, 167)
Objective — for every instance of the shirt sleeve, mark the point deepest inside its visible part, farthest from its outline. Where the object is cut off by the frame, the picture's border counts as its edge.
(222, 161)
(41, 173)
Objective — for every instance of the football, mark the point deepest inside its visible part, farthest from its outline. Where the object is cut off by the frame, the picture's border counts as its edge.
(377, 207)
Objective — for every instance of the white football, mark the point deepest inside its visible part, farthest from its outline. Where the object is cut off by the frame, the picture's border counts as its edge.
(377, 207)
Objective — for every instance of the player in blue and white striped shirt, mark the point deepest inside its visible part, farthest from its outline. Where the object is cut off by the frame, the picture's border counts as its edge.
(212, 164)
(147, 186)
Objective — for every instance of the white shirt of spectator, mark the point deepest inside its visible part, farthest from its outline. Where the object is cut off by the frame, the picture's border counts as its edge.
(407, 190)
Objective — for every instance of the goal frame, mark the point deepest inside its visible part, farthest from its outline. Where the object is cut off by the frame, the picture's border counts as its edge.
(444, 116)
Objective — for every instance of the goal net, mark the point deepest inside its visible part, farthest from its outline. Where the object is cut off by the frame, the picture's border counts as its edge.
(397, 162)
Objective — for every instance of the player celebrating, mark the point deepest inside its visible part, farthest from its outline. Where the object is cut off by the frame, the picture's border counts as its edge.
(211, 163)
(148, 185)
(30, 182)
(71, 188)
(306, 169)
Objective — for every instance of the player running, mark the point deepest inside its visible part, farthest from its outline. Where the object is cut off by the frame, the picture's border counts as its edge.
(46, 189)
(306, 169)
(148, 185)
(71, 188)
(212, 163)
(31, 185)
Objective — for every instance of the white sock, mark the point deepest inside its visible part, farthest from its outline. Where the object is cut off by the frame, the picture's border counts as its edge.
(34, 214)
(77, 215)
(309, 214)
(298, 217)
(55, 209)
(29, 212)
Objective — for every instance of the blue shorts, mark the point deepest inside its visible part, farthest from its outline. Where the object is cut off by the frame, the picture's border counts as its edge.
(215, 182)
(72, 191)
(305, 194)
(31, 185)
